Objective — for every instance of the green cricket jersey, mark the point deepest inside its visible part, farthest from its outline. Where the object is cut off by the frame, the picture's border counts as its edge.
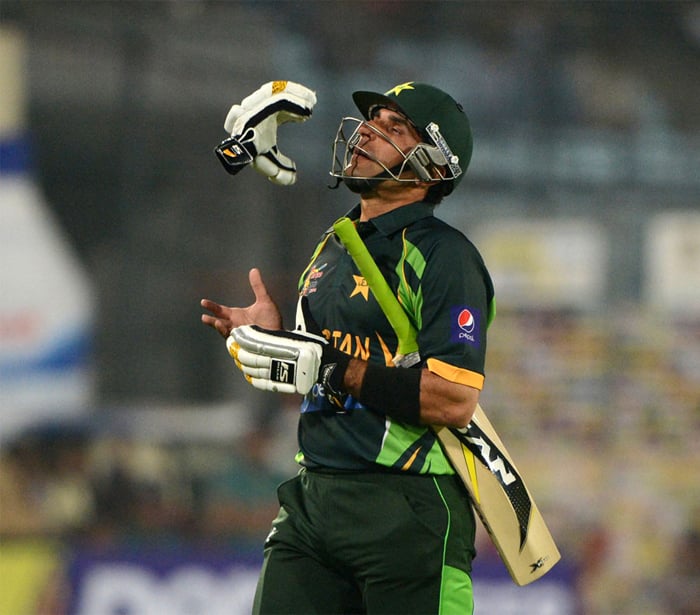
(440, 279)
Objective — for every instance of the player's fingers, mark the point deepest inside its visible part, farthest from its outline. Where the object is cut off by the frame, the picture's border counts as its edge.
(223, 327)
(210, 321)
(213, 307)
(218, 312)
(257, 284)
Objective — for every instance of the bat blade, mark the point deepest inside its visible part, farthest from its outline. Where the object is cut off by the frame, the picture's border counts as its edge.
(498, 493)
(501, 498)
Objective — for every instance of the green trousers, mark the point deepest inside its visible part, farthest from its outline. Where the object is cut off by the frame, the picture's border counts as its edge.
(370, 543)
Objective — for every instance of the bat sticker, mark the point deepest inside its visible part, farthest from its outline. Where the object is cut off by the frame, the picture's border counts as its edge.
(487, 452)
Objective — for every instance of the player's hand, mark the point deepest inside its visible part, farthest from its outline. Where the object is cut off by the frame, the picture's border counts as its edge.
(290, 361)
(263, 311)
(281, 361)
(253, 127)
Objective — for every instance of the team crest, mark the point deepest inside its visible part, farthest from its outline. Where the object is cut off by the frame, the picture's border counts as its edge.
(397, 89)
(361, 287)
(311, 281)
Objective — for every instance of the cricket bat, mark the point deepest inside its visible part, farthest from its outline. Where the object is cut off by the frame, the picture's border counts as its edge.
(497, 491)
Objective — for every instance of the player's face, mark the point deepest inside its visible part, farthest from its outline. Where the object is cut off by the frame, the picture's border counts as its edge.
(382, 139)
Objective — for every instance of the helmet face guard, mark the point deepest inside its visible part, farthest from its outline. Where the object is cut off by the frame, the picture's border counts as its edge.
(445, 152)
(429, 161)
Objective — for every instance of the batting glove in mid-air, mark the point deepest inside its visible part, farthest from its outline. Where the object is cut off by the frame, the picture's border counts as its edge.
(289, 361)
(253, 124)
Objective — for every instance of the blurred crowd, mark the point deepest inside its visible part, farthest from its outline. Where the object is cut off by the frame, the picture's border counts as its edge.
(603, 413)
(92, 486)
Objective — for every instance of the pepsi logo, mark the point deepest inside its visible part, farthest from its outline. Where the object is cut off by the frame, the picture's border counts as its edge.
(466, 321)
(464, 325)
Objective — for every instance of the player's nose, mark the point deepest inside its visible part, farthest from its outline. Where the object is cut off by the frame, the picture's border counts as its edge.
(365, 130)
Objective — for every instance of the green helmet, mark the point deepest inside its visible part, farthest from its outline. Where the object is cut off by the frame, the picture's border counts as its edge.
(439, 118)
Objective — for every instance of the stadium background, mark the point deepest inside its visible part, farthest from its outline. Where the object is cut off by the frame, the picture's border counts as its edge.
(583, 195)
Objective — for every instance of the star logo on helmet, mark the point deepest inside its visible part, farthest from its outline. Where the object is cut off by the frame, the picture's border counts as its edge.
(397, 89)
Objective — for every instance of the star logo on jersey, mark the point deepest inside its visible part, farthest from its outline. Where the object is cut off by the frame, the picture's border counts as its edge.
(397, 89)
(361, 287)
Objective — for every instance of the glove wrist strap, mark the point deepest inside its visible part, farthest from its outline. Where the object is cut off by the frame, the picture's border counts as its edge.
(334, 364)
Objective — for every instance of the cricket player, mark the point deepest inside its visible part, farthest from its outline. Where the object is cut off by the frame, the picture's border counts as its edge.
(376, 521)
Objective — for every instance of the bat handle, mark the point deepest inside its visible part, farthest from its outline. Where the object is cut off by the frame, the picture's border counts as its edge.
(400, 323)
(406, 360)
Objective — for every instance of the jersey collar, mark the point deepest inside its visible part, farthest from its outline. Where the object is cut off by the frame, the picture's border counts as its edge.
(397, 219)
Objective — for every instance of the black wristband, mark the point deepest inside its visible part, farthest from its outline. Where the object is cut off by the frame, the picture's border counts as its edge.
(334, 364)
(393, 391)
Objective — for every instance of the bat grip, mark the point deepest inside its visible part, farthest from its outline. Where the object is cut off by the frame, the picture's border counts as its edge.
(397, 317)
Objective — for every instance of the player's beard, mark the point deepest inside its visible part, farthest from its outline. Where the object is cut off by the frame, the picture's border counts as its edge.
(366, 185)
(362, 185)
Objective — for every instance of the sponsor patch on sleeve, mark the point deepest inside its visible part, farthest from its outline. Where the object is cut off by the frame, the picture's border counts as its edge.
(465, 325)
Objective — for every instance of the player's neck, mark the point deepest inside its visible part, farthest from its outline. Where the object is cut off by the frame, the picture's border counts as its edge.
(388, 197)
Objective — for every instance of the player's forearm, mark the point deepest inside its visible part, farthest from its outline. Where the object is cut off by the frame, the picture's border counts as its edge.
(354, 375)
(415, 397)
(446, 403)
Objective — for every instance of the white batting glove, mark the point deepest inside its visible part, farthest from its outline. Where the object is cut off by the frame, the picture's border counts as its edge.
(253, 127)
(291, 361)
(280, 361)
